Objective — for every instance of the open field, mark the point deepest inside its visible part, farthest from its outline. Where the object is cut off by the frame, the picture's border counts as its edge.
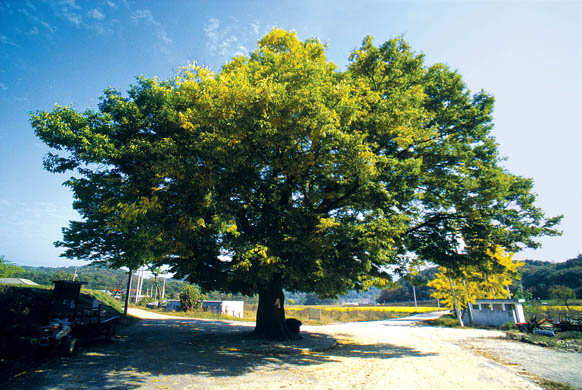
(327, 314)
(543, 311)
(334, 314)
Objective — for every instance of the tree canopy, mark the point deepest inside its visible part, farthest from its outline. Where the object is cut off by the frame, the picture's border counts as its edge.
(470, 283)
(7, 269)
(279, 171)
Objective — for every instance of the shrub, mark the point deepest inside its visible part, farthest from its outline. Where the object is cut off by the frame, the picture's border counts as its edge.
(509, 325)
(191, 298)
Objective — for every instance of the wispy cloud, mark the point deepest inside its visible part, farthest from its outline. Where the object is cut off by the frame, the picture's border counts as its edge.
(36, 19)
(211, 29)
(69, 10)
(72, 17)
(70, 4)
(145, 16)
(33, 31)
(255, 28)
(4, 40)
(96, 14)
(3, 86)
(229, 39)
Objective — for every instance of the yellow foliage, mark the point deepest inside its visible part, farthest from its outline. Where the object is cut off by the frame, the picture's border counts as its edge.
(326, 223)
(474, 283)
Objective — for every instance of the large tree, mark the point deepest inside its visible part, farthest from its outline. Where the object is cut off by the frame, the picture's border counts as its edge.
(280, 171)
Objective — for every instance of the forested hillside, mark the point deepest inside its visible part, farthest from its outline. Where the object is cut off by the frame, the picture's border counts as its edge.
(536, 276)
(96, 277)
(103, 278)
(539, 276)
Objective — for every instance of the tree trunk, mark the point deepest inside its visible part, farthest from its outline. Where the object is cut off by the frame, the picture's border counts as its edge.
(271, 314)
(127, 291)
(469, 310)
(456, 304)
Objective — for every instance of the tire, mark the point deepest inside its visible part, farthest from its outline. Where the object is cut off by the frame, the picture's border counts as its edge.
(69, 345)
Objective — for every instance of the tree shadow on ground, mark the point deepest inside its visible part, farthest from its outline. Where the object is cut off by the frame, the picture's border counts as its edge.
(153, 349)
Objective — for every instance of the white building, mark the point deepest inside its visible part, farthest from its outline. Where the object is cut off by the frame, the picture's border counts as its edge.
(495, 312)
(229, 308)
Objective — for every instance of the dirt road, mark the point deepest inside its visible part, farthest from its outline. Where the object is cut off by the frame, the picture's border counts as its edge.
(182, 353)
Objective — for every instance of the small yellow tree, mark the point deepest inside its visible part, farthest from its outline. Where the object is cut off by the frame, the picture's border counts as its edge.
(457, 289)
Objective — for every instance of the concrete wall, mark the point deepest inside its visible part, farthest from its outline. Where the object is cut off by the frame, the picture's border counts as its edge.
(495, 314)
(233, 308)
(230, 308)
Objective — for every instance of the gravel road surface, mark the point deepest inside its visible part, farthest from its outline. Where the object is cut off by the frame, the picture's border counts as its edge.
(162, 352)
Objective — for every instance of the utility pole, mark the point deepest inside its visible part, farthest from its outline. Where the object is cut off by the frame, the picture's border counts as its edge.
(139, 285)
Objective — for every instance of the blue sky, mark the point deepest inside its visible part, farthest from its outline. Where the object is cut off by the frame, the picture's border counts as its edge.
(527, 54)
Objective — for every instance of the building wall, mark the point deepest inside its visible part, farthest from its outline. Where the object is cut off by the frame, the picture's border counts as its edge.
(492, 317)
(230, 308)
(233, 308)
(495, 314)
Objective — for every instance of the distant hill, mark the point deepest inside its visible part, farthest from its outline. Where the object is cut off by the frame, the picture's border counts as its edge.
(539, 276)
(536, 276)
(96, 276)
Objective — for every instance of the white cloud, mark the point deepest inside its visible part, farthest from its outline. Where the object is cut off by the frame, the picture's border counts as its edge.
(255, 28)
(211, 30)
(146, 16)
(30, 5)
(70, 4)
(111, 4)
(164, 37)
(72, 17)
(34, 18)
(33, 31)
(96, 14)
(241, 51)
(3, 86)
(227, 40)
(6, 41)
